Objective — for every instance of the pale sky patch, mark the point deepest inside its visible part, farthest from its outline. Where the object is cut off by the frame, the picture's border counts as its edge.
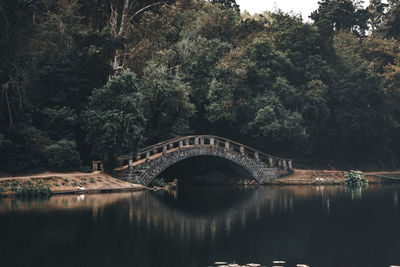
(303, 7)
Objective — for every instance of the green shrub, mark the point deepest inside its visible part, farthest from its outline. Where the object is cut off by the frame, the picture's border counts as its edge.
(14, 188)
(92, 180)
(355, 178)
(45, 191)
(83, 183)
(63, 156)
(29, 182)
(21, 146)
(16, 183)
(6, 184)
(25, 191)
(160, 182)
(31, 191)
(57, 184)
(66, 180)
(75, 184)
(87, 169)
(40, 181)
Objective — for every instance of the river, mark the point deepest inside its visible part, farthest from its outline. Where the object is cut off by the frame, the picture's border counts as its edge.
(326, 226)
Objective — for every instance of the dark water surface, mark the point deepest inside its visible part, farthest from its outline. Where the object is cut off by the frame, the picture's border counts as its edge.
(317, 226)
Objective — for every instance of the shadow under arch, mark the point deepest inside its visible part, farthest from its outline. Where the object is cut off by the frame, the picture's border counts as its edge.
(205, 170)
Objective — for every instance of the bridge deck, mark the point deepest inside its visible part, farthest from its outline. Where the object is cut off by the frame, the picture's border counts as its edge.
(138, 162)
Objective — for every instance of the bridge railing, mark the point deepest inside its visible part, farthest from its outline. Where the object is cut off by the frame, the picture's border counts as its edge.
(207, 140)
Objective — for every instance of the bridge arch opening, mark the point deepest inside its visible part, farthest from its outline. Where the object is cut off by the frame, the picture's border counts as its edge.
(207, 170)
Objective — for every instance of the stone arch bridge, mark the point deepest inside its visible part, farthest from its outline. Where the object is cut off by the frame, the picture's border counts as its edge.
(149, 162)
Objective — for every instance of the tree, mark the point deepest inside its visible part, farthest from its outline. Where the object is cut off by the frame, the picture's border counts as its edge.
(334, 16)
(355, 101)
(154, 30)
(200, 57)
(383, 58)
(307, 72)
(166, 100)
(270, 80)
(217, 23)
(22, 148)
(115, 118)
(229, 92)
(250, 94)
(391, 24)
(122, 16)
(62, 156)
(15, 28)
(275, 118)
(228, 3)
(377, 9)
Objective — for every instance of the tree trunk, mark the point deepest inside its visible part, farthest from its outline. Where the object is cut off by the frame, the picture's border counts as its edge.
(124, 18)
(118, 33)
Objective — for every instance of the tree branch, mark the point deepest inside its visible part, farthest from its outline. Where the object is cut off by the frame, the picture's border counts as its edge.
(9, 108)
(113, 20)
(152, 40)
(144, 9)
(5, 18)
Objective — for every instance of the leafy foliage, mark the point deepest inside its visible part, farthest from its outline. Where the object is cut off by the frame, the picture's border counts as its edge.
(62, 155)
(166, 101)
(22, 148)
(160, 182)
(227, 3)
(354, 178)
(31, 191)
(326, 89)
(115, 118)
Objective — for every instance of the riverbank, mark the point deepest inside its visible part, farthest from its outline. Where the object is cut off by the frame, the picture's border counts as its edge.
(68, 183)
(332, 177)
(98, 182)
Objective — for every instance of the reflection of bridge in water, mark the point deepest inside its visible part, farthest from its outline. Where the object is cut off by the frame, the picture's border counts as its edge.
(160, 211)
(149, 210)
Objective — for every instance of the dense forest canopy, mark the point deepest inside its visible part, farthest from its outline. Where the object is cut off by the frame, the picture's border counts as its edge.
(91, 79)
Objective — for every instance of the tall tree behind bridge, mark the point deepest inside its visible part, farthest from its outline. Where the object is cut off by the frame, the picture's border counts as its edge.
(122, 17)
(334, 16)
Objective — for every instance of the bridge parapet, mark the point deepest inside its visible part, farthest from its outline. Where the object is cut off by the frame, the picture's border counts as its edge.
(239, 153)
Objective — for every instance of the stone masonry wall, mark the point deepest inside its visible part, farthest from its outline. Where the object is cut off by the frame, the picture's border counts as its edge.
(146, 172)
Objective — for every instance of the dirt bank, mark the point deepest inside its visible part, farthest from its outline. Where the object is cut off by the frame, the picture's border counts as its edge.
(69, 183)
